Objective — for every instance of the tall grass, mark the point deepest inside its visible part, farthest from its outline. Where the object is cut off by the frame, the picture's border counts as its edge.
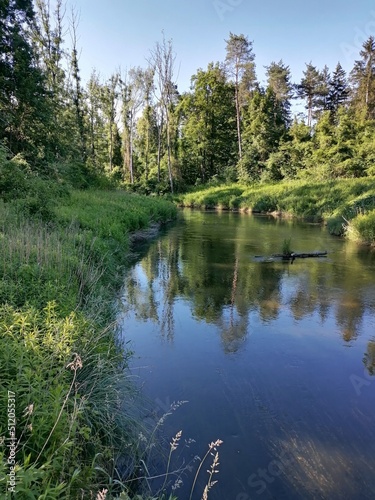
(59, 353)
(362, 228)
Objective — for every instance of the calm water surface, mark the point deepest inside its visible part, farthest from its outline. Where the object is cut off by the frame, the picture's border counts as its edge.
(274, 359)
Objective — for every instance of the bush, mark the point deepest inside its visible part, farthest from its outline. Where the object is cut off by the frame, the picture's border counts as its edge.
(31, 195)
(362, 228)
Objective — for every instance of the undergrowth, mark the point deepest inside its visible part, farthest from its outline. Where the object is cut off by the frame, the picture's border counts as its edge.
(61, 365)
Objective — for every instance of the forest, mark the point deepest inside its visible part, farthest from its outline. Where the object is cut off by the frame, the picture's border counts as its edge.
(136, 129)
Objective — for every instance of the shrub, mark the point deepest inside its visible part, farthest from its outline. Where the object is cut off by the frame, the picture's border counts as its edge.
(362, 228)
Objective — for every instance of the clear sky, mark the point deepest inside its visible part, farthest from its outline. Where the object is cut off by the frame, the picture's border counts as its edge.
(120, 33)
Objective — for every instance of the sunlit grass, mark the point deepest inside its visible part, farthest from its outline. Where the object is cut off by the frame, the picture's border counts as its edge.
(362, 228)
(58, 355)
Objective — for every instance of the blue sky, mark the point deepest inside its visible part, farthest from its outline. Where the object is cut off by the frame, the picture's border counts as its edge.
(120, 33)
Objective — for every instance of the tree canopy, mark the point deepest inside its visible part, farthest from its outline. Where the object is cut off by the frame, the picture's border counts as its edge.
(137, 129)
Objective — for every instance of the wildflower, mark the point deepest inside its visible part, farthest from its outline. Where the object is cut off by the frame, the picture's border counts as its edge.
(28, 410)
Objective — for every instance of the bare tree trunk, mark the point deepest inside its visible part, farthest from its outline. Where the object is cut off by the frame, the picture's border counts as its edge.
(147, 152)
(77, 96)
(162, 60)
(111, 146)
(169, 153)
(131, 153)
(160, 133)
(112, 89)
(238, 113)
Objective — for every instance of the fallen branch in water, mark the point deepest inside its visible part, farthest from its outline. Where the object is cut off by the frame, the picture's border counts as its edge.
(289, 256)
(300, 255)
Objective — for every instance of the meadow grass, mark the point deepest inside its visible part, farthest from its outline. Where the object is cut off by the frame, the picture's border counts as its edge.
(59, 354)
(337, 202)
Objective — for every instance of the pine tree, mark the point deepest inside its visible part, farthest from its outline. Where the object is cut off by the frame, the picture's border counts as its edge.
(279, 80)
(363, 79)
(322, 98)
(240, 65)
(338, 91)
(310, 89)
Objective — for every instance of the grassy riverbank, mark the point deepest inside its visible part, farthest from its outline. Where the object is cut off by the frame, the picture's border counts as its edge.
(346, 205)
(62, 370)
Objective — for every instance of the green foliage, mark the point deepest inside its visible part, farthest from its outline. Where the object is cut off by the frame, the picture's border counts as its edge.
(41, 343)
(338, 91)
(286, 248)
(264, 126)
(363, 81)
(65, 366)
(314, 89)
(25, 190)
(334, 201)
(208, 142)
(362, 228)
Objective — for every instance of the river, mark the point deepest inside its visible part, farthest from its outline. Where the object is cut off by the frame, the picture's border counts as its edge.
(275, 359)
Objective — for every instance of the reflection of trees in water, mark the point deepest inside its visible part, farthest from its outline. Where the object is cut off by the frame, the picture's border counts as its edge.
(268, 298)
(233, 327)
(216, 276)
(349, 314)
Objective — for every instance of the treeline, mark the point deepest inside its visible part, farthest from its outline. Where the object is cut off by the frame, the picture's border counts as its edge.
(137, 129)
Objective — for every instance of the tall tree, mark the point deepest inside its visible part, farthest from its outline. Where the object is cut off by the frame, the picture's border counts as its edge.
(310, 89)
(209, 130)
(240, 64)
(136, 92)
(148, 117)
(162, 61)
(279, 80)
(322, 99)
(48, 43)
(96, 150)
(363, 79)
(48, 40)
(23, 109)
(338, 91)
(264, 128)
(77, 94)
(109, 100)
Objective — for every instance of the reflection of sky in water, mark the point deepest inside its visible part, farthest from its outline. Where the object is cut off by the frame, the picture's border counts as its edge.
(260, 351)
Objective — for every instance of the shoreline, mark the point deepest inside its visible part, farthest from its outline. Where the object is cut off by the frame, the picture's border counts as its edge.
(345, 206)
